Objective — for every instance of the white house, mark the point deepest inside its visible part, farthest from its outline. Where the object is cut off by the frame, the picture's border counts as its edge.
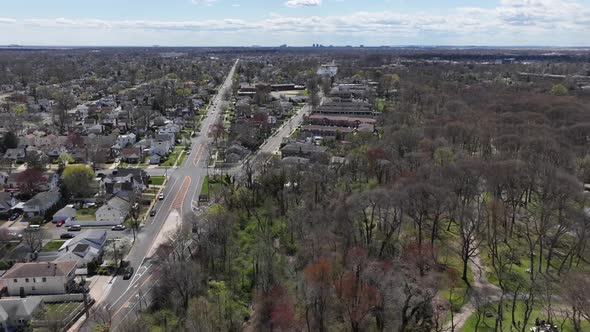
(41, 203)
(85, 247)
(40, 278)
(160, 148)
(124, 140)
(116, 209)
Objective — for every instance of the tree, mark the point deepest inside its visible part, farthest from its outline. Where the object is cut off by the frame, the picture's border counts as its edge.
(559, 90)
(319, 278)
(79, 179)
(29, 180)
(65, 158)
(118, 249)
(9, 141)
(33, 239)
(36, 160)
(61, 117)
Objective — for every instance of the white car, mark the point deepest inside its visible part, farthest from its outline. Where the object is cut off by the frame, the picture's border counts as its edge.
(161, 196)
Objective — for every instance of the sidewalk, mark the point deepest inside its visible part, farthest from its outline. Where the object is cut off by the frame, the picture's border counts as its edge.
(170, 225)
(98, 287)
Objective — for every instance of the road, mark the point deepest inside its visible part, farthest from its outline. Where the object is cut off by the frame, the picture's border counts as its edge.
(122, 297)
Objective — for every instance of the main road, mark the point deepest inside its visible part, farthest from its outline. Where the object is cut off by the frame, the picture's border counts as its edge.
(181, 193)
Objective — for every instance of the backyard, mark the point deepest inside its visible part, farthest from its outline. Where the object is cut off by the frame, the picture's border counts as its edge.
(86, 214)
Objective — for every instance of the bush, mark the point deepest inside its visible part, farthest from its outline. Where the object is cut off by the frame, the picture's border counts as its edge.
(36, 220)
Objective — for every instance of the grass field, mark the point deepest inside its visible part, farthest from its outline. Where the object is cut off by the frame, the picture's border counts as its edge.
(157, 180)
(486, 324)
(86, 214)
(53, 245)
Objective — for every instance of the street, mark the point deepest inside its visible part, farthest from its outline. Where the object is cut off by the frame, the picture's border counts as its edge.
(180, 194)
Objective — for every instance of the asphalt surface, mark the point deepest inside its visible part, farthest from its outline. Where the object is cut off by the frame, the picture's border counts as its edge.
(122, 298)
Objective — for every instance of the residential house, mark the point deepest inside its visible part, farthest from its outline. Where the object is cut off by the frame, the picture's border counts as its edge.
(125, 140)
(166, 137)
(16, 155)
(64, 214)
(140, 176)
(132, 155)
(96, 129)
(84, 248)
(16, 313)
(44, 278)
(3, 178)
(155, 159)
(162, 149)
(113, 184)
(7, 202)
(169, 128)
(115, 209)
(41, 203)
(347, 108)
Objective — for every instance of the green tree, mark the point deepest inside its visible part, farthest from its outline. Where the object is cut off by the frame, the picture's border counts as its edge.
(65, 158)
(78, 179)
(559, 90)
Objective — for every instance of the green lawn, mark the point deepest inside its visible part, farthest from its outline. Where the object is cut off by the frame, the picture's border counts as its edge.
(205, 186)
(53, 245)
(486, 324)
(86, 214)
(60, 310)
(173, 156)
(157, 180)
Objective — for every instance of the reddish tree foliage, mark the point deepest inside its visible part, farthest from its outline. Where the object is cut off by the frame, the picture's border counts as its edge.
(75, 140)
(29, 180)
(282, 314)
(419, 257)
(358, 297)
(320, 272)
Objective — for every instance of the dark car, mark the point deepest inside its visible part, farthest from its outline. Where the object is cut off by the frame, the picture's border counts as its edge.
(153, 213)
(128, 273)
(67, 236)
(14, 217)
(74, 228)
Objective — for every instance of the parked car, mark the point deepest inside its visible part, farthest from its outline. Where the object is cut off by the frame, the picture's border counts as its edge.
(67, 236)
(128, 273)
(15, 236)
(74, 228)
(60, 223)
(118, 228)
(161, 196)
(153, 213)
(14, 217)
(33, 228)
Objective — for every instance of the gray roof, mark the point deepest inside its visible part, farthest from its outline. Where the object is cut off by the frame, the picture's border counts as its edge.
(42, 199)
(20, 307)
(66, 211)
(306, 148)
(30, 270)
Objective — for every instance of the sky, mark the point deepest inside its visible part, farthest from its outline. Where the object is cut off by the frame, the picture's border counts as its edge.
(295, 22)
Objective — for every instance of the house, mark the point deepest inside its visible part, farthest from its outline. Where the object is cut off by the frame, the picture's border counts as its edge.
(166, 137)
(113, 184)
(140, 176)
(96, 129)
(125, 140)
(84, 248)
(16, 155)
(116, 209)
(155, 159)
(305, 150)
(160, 148)
(43, 278)
(7, 202)
(64, 214)
(3, 178)
(16, 313)
(348, 108)
(132, 155)
(169, 128)
(41, 203)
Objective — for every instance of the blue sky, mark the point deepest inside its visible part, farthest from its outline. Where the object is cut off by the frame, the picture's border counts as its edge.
(295, 22)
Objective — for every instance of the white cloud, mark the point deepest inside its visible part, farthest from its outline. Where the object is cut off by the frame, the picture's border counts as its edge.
(7, 20)
(522, 21)
(204, 2)
(303, 3)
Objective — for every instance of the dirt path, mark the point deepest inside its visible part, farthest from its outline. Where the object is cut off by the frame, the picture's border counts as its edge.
(486, 290)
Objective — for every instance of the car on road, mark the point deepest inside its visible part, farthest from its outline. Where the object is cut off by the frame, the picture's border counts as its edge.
(161, 196)
(118, 228)
(60, 223)
(74, 228)
(66, 236)
(153, 213)
(127, 273)
(32, 228)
